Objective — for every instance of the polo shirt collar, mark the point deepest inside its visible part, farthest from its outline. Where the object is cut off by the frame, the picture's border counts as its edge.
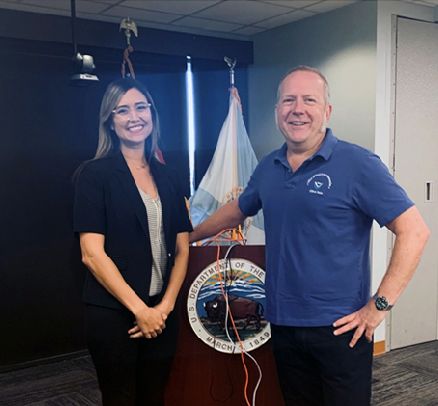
(328, 145)
(325, 151)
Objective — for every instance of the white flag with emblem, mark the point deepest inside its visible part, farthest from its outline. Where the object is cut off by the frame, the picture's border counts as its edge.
(229, 171)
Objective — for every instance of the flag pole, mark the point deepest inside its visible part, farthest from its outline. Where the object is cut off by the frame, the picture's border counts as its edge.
(228, 173)
(231, 64)
(236, 234)
(128, 25)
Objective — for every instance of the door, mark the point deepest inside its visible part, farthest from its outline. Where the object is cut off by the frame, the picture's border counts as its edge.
(414, 319)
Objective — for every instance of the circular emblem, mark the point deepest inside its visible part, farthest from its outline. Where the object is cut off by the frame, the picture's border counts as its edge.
(240, 283)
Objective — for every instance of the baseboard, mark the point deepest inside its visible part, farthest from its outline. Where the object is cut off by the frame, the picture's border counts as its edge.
(379, 348)
(42, 361)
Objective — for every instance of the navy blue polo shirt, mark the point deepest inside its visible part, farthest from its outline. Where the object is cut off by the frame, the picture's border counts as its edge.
(317, 224)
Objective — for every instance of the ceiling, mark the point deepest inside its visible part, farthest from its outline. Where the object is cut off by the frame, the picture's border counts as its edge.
(239, 19)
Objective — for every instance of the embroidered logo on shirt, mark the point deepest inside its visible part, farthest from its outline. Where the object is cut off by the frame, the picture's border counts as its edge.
(319, 183)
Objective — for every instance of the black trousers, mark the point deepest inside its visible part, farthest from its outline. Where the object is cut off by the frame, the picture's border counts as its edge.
(130, 371)
(317, 368)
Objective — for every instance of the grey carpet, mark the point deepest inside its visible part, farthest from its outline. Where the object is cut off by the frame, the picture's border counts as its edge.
(405, 377)
(408, 376)
(68, 382)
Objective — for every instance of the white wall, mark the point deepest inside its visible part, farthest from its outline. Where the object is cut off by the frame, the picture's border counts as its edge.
(353, 47)
(341, 43)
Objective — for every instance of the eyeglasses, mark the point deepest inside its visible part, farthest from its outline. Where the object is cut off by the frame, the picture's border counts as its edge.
(124, 111)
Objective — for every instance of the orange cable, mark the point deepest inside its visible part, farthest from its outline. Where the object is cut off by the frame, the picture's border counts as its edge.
(240, 238)
(242, 354)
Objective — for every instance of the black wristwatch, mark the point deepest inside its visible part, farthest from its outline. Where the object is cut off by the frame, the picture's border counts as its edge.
(382, 303)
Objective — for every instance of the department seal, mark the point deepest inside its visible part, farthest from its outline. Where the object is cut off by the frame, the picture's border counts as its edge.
(243, 283)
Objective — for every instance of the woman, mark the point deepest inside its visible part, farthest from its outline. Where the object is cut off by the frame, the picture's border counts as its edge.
(133, 228)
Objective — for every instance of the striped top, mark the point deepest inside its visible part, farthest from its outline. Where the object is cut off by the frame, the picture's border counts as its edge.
(156, 237)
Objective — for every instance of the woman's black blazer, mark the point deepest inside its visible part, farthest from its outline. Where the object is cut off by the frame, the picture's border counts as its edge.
(107, 202)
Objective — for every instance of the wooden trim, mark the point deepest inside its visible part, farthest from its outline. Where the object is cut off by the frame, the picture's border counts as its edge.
(379, 348)
(27, 26)
(43, 361)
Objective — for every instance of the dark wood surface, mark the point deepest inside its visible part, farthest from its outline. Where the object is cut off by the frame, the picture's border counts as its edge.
(203, 376)
(40, 261)
(53, 28)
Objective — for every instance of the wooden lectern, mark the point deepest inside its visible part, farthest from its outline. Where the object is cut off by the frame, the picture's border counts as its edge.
(202, 376)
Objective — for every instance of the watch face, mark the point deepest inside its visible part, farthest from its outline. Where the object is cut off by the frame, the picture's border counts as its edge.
(381, 303)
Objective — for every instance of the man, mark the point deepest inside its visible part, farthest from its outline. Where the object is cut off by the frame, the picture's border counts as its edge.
(319, 197)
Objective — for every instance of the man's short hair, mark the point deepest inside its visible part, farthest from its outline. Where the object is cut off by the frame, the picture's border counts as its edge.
(305, 68)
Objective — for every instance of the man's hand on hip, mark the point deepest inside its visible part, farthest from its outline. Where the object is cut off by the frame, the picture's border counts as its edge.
(364, 321)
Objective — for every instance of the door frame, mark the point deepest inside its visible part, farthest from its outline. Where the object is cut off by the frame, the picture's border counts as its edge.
(387, 12)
